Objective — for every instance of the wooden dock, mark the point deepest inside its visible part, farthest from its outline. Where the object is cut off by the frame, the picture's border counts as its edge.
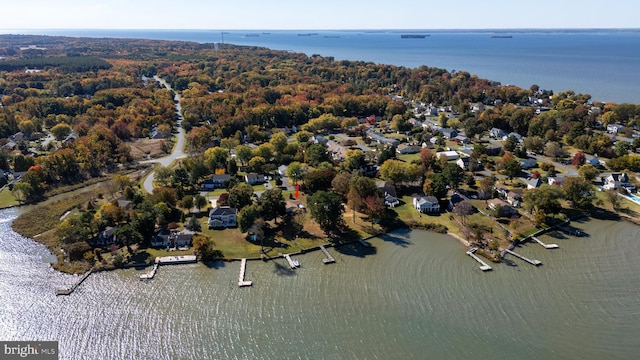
(483, 265)
(73, 287)
(171, 260)
(291, 262)
(364, 243)
(243, 268)
(546, 246)
(328, 259)
(532, 262)
(151, 274)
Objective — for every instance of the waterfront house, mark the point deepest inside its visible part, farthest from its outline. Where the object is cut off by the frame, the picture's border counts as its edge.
(167, 238)
(105, 237)
(223, 217)
(253, 179)
(426, 204)
(501, 207)
(388, 192)
(616, 181)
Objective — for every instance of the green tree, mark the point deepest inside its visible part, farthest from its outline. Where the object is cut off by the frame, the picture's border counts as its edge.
(579, 192)
(326, 209)
(435, 185)
(193, 224)
(511, 168)
(272, 204)
(61, 131)
(240, 195)
(200, 202)
(248, 216)
(393, 170)
(128, 235)
(316, 180)
(545, 198)
(588, 172)
(315, 154)
(453, 175)
(354, 160)
(278, 141)
(296, 171)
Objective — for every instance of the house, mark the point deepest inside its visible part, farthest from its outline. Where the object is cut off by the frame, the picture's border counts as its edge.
(337, 151)
(450, 155)
(555, 181)
(534, 183)
(449, 133)
(461, 139)
(515, 135)
(282, 170)
(501, 207)
(223, 217)
(616, 181)
(463, 163)
(167, 238)
(528, 163)
(497, 133)
(593, 162)
(477, 107)
(216, 182)
(514, 198)
(124, 203)
(614, 128)
(456, 199)
(408, 149)
(426, 204)
(388, 192)
(105, 237)
(319, 139)
(253, 179)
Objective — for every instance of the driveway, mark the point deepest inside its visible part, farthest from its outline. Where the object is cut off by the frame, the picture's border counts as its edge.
(178, 148)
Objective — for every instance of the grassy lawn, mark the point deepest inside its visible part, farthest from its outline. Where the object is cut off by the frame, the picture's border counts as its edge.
(7, 199)
(409, 157)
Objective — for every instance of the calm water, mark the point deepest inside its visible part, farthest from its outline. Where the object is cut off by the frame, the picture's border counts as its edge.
(418, 297)
(603, 63)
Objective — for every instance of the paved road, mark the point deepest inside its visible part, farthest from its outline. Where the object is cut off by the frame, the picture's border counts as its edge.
(178, 148)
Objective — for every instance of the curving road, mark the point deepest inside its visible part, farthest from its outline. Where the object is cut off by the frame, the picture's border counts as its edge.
(178, 148)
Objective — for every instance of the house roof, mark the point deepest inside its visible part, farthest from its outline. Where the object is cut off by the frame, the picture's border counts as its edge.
(221, 177)
(534, 182)
(427, 200)
(223, 211)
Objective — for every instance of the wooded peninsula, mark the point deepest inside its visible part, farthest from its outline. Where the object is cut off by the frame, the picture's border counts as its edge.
(286, 152)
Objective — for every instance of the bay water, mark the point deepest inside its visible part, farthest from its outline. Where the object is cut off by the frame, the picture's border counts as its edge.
(602, 62)
(415, 295)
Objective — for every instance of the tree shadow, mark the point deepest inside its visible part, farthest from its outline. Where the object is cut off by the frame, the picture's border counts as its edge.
(282, 270)
(398, 237)
(214, 264)
(356, 249)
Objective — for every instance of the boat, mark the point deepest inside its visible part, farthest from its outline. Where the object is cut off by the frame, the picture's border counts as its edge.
(413, 36)
(501, 36)
(331, 36)
(296, 263)
(252, 35)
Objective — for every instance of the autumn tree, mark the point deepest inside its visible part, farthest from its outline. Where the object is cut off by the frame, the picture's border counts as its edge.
(272, 204)
(579, 192)
(61, 131)
(241, 195)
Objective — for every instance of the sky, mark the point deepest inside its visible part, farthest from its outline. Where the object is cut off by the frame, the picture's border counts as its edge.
(320, 14)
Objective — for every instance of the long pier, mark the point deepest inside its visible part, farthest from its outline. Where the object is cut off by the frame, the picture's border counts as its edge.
(328, 259)
(243, 267)
(546, 246)
(292, 264)
(151, 274)
(483, 265)
(73, 287)
(532, 262)
(181, 259)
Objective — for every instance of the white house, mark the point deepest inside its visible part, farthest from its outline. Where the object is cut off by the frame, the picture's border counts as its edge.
(534, 183)
(497, 133)
(408, 149)
(450, 155)
(426, 204)
(616, 181)
(222, 217)
(463, 163)
(614, 128)
(388, 193)
(501, 207)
